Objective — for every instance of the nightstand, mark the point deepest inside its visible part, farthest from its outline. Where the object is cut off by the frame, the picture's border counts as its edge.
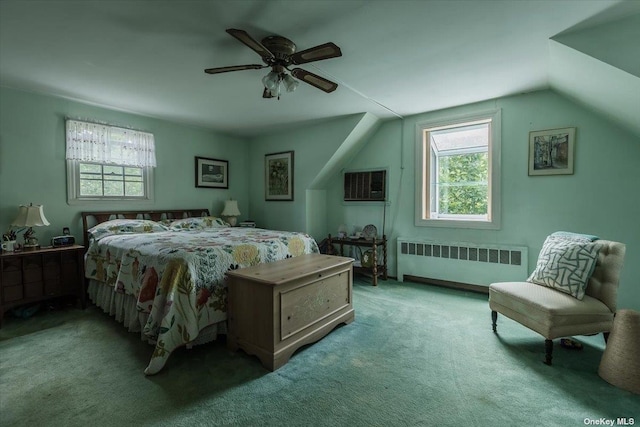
(36, 275)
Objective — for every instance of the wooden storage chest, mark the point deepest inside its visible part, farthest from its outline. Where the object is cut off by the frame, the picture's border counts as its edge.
(276, 308)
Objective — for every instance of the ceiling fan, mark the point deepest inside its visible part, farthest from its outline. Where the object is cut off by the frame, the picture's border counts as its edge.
(279, 53)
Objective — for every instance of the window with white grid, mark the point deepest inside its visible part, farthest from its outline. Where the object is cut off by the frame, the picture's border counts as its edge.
(108, 163)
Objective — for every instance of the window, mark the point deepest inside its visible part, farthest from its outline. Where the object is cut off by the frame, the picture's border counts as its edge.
(108, 162)
(458, 171)
(98, 180)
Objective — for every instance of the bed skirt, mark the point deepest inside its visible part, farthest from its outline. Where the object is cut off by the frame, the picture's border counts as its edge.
(123, 308)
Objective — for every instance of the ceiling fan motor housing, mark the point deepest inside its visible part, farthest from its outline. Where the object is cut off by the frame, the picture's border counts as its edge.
(281, 47)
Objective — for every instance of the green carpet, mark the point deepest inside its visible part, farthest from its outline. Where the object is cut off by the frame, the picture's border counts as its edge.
(416, 355)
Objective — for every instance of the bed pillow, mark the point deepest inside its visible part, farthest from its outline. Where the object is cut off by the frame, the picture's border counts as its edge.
(125, 226)
(198, 223)
(566, 265)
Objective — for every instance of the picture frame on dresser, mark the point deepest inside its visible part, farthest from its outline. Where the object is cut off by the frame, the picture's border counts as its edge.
(278, 176)
(211, 173)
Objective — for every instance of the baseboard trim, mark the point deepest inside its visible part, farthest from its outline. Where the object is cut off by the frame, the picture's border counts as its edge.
(447, 284)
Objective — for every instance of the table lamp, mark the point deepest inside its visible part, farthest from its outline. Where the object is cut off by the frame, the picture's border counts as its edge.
(231, 212)
(30, 216)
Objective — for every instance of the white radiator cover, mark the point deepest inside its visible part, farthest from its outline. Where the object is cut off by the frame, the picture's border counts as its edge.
(461, 262)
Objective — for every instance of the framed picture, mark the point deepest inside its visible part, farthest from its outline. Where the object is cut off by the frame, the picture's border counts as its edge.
(551, 151)
(278, 176)
(212, 173)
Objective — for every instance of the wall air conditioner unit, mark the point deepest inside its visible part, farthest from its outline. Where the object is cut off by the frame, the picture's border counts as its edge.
(366, 186)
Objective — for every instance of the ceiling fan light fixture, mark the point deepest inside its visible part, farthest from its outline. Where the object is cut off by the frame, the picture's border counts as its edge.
(266, 93)
(290, 84)
(271, 81)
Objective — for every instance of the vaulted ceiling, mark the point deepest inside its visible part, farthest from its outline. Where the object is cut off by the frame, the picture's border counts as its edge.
(399, 57)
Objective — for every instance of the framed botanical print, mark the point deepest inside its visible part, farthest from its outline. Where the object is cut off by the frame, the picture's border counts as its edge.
(212, 173)
(278, 176)
(551, 151)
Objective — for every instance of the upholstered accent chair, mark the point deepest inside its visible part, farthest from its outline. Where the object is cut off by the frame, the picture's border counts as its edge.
(555, 314)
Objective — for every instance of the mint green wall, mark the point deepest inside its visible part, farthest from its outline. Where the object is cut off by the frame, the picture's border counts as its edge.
(600, 198)
(313, 146)
(33, 167)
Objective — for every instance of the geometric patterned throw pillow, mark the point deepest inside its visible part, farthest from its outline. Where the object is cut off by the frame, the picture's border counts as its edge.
(565, 265)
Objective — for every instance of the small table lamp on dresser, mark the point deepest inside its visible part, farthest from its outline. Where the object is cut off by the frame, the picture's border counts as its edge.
(30, 216)
(231, 212)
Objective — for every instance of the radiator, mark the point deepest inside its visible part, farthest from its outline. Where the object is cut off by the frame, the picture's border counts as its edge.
(470, 263)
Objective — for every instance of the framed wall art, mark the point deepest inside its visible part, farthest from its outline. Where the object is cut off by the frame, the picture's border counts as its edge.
(551, 151)
(212, 173)
(278, 176)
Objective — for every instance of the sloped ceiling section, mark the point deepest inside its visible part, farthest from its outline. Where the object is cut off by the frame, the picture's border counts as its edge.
(600, 67)
(352, 144)
(617, 43)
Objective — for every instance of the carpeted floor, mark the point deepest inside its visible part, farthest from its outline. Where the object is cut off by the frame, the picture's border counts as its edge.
(416, 355)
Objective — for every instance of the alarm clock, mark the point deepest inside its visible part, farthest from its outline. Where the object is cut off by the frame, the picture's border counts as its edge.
(63, 241)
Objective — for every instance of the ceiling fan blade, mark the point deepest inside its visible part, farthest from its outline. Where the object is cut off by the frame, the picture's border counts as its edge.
(314, 80)
(234, 68)
(323, 51)
(252, 43)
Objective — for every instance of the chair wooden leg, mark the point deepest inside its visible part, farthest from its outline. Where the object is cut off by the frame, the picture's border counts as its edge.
(548, 350)
(494, 319)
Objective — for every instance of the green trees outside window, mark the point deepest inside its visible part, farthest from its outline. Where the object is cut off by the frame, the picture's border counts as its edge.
(110, 181)
(463, 184)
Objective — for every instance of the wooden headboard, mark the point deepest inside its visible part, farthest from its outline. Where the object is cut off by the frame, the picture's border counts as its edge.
(90, 219)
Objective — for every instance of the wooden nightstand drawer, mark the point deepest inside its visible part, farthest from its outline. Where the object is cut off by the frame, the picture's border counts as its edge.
(33, 290)
(32, 262)
(12, 278)
(69, 258)
(32, 269)
(12, 293)
(12, 272)
(52, 273)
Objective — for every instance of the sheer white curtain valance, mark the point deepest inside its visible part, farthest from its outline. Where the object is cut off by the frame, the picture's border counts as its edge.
(97, 143)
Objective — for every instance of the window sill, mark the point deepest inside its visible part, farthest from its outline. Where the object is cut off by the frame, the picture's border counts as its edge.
(454, 223)
(112, 200)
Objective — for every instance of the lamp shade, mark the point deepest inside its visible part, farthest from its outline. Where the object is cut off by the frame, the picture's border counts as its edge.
(30, 216)
(230, 208)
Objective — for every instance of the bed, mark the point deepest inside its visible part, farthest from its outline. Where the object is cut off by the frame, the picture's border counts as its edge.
(163, 273)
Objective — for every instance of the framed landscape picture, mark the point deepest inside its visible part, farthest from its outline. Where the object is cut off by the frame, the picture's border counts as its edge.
(551, 151)
(278, 176)
(212, 173)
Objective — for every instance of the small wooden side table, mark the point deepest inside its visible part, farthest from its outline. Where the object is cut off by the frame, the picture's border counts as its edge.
(377, 268)
(35, 275)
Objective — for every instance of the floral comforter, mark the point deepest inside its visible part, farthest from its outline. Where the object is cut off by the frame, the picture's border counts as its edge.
(178, 276)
